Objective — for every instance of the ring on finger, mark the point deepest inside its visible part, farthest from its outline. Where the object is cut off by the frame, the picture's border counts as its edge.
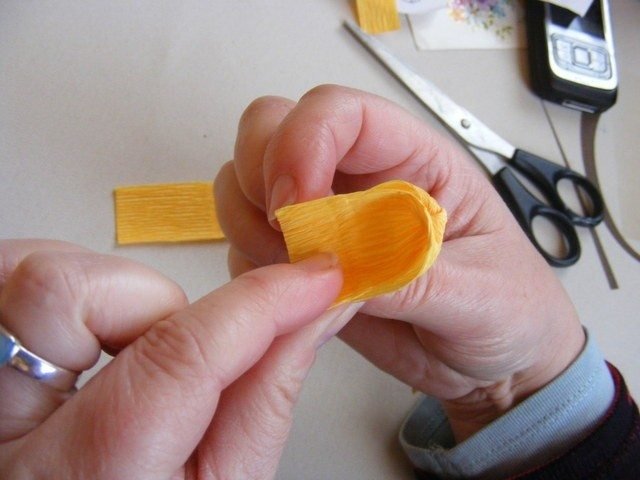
(14, 354)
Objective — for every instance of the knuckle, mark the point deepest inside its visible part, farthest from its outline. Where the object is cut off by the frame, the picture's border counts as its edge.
(42, 274)
(333, 107)
(325, 90)
(172, 348)
(415, 295)
(343, 102)
(225, 175)
(280, 396)
(262, 295)
(176, 297)
(279, 391)
(225, 191)
(265, 297)
(262, 105)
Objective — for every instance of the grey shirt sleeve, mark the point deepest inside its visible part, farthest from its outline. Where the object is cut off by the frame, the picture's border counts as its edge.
(540, 428)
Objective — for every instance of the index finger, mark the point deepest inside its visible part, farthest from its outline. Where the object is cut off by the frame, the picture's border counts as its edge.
(342, 139)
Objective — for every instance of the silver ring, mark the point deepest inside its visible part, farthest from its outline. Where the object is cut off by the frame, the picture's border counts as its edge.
(13, 354)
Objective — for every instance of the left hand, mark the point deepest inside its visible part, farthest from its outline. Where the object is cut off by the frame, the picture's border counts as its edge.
(195, 391)
(488, 325)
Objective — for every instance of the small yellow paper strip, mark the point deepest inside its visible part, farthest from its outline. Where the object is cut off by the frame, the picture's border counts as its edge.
(377, 16)
(171, 212)
(384, 237)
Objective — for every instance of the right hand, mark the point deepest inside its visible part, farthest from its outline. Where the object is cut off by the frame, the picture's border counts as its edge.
(488, 325)
(201, 390)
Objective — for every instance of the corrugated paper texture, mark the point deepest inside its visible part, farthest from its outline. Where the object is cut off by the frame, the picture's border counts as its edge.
(377, 16)
(384, 237)
(172, 212)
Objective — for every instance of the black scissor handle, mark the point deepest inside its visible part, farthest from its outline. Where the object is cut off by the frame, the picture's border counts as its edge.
(525, 207)
(546, 175)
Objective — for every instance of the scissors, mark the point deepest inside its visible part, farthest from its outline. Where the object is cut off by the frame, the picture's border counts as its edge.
(497, 155)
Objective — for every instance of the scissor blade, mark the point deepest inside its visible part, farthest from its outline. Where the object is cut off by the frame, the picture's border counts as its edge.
(461, 121)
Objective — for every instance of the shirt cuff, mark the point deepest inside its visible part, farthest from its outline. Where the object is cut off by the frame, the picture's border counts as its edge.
(540, 428)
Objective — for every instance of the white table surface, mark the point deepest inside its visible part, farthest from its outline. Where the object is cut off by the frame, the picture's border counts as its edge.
(95, 95)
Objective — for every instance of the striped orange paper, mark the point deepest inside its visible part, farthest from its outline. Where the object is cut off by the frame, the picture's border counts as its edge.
(169, 212)
(377, 16)
(384, 237)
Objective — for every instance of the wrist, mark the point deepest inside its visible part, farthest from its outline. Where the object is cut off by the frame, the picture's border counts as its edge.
(483, 405)
(538, 430)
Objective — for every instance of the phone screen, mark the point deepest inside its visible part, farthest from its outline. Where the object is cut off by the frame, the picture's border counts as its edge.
(590, 24)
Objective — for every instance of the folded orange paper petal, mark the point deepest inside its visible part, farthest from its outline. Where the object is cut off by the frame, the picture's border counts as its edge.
(385, 237)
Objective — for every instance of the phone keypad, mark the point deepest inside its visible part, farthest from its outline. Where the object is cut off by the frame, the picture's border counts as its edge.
(580, 57)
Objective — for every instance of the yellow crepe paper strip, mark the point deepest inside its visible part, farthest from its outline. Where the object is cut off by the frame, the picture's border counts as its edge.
(169, 212)
(385, 237)
(377, 16)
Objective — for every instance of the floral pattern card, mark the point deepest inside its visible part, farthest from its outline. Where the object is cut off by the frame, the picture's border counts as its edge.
(467, 24)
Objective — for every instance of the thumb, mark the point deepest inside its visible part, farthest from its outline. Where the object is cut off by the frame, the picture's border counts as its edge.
(145, 413)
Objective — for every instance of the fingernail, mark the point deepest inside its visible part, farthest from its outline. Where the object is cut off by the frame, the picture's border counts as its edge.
(319, 262)
(343, 315)
(284, 192)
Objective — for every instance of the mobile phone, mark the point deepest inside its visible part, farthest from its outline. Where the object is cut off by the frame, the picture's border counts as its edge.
(571, 58)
